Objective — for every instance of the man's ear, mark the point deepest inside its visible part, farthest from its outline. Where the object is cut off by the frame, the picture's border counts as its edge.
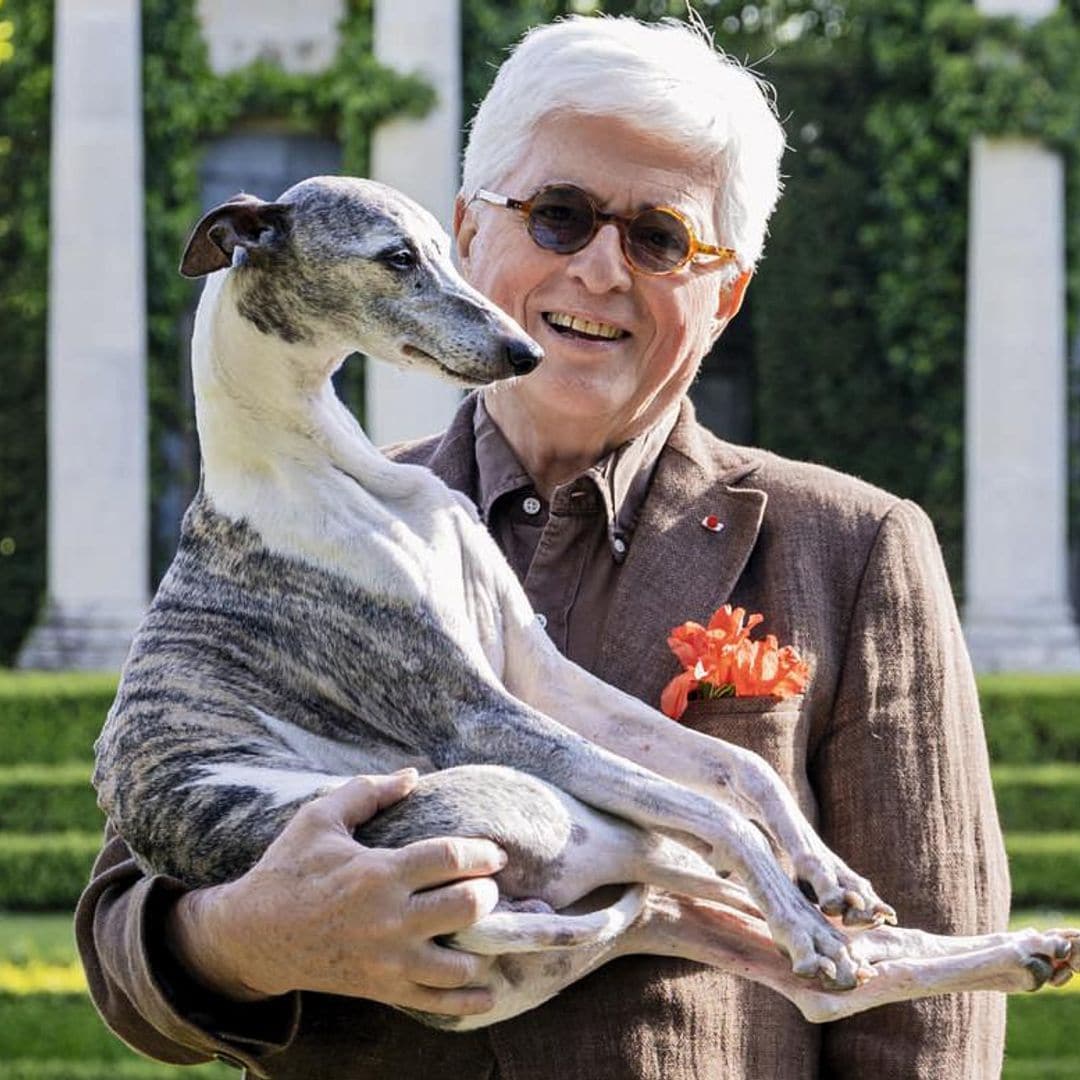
(464, 229)
(731, 299)
(245, 221)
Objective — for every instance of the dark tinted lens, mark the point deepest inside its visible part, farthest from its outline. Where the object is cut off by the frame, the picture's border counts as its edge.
(562, 220)
(657, 241)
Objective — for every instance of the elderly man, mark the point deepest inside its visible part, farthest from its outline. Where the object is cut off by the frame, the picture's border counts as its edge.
(617, 185)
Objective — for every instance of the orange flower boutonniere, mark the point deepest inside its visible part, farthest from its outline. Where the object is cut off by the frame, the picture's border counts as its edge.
(720, 660)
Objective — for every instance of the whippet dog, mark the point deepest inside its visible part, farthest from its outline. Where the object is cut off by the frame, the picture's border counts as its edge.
(330, 613)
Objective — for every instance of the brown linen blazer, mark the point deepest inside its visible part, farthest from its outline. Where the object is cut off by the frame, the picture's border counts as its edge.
(885, 752)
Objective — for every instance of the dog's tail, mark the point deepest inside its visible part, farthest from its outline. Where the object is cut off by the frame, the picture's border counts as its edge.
(525, 932)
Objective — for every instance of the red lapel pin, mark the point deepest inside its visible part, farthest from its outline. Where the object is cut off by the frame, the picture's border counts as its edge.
(712, 523)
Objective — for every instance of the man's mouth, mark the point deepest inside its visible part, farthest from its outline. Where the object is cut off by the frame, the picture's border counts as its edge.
(573, 326)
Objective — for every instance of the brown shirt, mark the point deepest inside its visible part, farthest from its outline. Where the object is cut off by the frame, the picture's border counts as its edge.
(567, 551)
(885, 751)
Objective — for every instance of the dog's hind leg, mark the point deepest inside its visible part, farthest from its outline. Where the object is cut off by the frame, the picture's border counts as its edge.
(900, 964)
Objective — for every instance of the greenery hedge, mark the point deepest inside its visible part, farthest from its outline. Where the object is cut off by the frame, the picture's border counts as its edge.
(45, 871)
(1031, 718)
(51, 798)
(1044, 868)
(49, 718)
(1038, 798)
(52, 717)
(48, 798)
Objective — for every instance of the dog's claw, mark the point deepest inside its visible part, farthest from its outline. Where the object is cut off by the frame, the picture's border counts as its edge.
(1053, 956)
(839, 892)
(818, 951)
(1041, 970)
(1061, 976)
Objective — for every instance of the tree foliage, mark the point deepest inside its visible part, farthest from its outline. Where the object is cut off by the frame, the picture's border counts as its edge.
(25, 87)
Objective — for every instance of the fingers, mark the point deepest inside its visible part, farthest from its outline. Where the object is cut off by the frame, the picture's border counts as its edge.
(449, 969)
(428, 863)
(360, 798)
(468, 1002)
(453, 907)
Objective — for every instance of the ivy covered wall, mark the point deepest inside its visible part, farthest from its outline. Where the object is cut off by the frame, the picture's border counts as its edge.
(185, 105)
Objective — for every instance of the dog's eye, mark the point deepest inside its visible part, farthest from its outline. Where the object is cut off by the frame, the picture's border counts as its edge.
(402, 259)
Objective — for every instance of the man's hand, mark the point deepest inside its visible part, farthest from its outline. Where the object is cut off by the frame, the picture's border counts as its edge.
(321, 912)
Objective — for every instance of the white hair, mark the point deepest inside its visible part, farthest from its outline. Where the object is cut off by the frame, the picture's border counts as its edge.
(666, 79)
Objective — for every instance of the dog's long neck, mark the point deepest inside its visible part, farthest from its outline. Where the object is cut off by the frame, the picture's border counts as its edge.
(266, 406)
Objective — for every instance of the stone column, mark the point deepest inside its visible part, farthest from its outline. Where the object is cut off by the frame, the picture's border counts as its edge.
(420, 157)
(98, 575)
(1018, 615)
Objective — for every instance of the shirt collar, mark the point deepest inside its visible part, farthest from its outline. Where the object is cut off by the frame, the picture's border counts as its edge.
(621, 478)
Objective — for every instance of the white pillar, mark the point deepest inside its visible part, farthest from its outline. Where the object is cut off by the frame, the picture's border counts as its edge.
(420, 157)
(1018, 615)
(98, 567)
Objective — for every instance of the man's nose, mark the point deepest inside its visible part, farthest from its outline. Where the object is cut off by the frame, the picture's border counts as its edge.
(601, 265)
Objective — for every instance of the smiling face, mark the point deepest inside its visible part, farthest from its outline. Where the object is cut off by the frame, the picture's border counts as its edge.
(620, 347)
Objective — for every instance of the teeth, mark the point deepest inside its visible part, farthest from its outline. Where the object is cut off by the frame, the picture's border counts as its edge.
(584, 326)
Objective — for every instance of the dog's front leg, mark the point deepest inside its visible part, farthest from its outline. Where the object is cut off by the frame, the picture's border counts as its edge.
(537, 673)
(499, 729)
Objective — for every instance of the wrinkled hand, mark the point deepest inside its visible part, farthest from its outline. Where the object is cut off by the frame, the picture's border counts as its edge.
(321, 912)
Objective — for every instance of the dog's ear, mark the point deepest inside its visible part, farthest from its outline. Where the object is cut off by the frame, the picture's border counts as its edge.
(244, 221)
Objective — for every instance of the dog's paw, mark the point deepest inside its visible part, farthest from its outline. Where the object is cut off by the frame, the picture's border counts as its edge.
(819, 951)
(1051, 956)
(826, 881)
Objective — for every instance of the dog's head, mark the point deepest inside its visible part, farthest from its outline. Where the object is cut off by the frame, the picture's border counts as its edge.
(358, 267)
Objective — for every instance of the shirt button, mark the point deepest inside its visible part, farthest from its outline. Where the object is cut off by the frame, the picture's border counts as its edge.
(531, 505)
(619, 544)
(541, 618)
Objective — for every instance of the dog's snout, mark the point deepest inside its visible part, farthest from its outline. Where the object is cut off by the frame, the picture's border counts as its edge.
(523, 356)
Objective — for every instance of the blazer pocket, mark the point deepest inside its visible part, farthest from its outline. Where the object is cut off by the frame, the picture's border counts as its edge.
(774, 728)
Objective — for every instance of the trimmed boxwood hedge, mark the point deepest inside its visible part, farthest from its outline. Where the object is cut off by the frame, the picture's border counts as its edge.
(1037, 798)
(48, 798)
(52, 798)
(46, 717)
(1044, 868)
(1031, 718)
(52, 717)
(45, 871)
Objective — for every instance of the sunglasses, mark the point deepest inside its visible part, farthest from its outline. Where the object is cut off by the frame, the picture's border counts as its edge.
(564, 219)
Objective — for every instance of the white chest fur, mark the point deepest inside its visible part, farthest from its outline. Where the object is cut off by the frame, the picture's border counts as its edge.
(281, 453)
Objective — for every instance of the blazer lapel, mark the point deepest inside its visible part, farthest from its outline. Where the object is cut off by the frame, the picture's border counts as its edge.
(676, 569)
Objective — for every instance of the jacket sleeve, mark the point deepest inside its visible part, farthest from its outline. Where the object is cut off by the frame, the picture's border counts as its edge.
(903, 781)
(143, 995)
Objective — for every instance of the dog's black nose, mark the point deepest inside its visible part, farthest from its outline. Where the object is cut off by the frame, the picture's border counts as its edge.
(523, 357)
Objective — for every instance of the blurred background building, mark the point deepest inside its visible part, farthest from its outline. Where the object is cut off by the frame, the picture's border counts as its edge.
(909, 323)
